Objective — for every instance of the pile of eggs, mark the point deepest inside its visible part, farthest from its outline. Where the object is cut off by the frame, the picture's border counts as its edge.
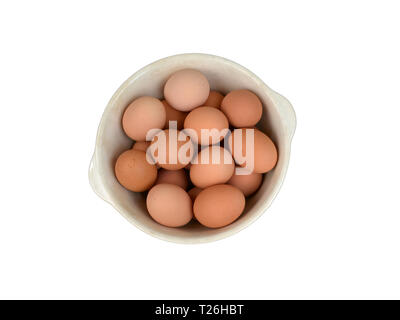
(192, 188)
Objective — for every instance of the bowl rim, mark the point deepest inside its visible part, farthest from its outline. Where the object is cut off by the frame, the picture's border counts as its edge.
(283, 107)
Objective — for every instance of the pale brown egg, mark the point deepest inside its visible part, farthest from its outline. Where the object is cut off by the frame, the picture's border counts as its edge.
(186, 89)
(141, 145)
(219, 205)
(209, 125)
(248, 183)
(173, 115)
(213, 165)
(177, 177)
(214, 99)
(172, 149)
(194, 192)
(134, 172)
(264, 156)
(169, 205)
(242, 108)
(143, 114)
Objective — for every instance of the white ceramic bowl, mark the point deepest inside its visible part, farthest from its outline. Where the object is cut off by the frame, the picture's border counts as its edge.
(278, 121)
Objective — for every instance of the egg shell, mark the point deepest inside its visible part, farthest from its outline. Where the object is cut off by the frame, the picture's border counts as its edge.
(206, 118)
(205, 173)
(214, 99)
(194, 192)
(242, 108)
(219, 205)
(173, 115)
(134, 172)
(141, 145)
(143, 114)
(169, 205)
(171, 162)
(264, 155)
(186, 89)
(177, 177)
(248, 183)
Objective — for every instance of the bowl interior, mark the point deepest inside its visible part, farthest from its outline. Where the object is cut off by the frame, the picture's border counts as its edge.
(224, 76)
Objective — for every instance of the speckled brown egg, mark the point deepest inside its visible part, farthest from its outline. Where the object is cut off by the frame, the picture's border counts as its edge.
(134, 172)
(169, 205)
(247, 183)
(242, 108)
(264, 156)
(143, 114)
(186, 89)
(214, 99)
(219, 205)
(173, 115)
(213, 165)
(209, 125)
(177, 177)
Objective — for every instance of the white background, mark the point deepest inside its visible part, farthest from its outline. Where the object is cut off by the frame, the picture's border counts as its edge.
(332, 232)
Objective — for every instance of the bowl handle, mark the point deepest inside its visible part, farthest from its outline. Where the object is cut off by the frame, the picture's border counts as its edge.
(287, 111)
(95, 180)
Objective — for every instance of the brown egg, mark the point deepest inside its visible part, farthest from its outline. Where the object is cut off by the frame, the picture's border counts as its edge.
(143, 114)
(173, 115)
(169, 205)
(172, 149)
(186, 89)
(264, 156)
(134, 172)
(242, 107)
(248, 183)
(219, 205)
(194, 192)
(177, 177)
(207, 121)
(214, 99)
(205, 173)
(141, 145)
